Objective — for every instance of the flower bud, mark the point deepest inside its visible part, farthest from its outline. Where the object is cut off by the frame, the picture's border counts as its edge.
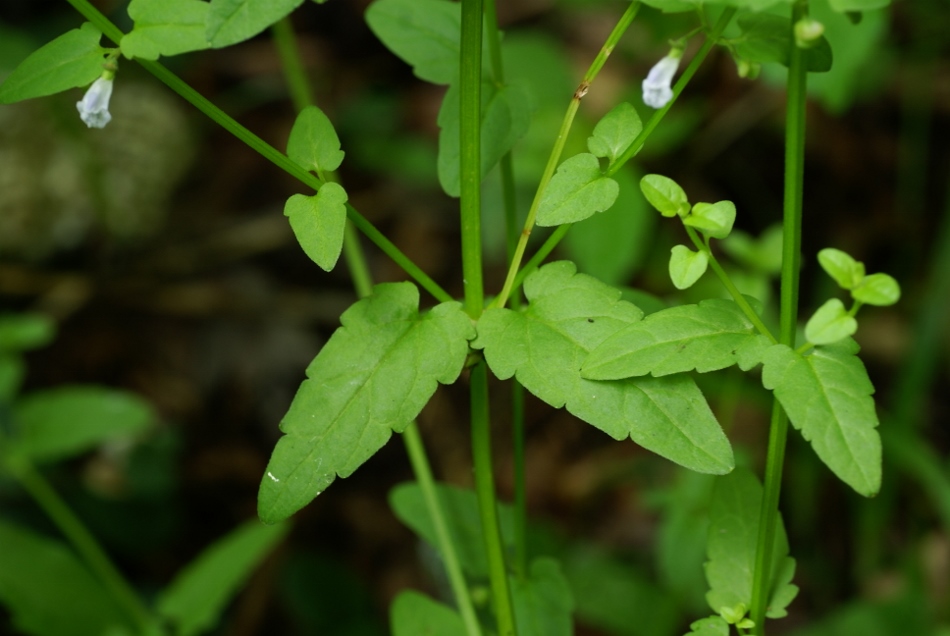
(808, 32)
(657, 89)
(94, 107)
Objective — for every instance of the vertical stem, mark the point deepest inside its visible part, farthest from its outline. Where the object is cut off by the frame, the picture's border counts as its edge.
(791, 257)
(292, 64)
(485, 490)
(83, 542)
(470, 90)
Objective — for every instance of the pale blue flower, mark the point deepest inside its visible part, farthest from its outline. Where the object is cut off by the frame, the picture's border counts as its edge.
(94, 107)
(657, 89)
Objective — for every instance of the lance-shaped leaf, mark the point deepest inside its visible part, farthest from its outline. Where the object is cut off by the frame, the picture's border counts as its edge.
(313, 143)
(577, 191)
(423, 33)
(73, 59)
(233, 21)
(542, 601)
(615, 132)
(195, 599)
(731, 547)
(712, 335)
(165, 27)
(827, 396)
(569, 315)
(506, 115)
(415, 614)
(319, 222)
(373, 377)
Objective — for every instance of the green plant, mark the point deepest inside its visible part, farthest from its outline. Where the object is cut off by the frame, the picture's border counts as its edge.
(572, 341)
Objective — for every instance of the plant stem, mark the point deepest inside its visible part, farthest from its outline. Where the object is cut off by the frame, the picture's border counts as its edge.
(730, 286)
(638, 143)
(83, 542)
(264, 149)
(485, 490)
(470, 96)
(292, 64)
(558, 148)
(791, 260)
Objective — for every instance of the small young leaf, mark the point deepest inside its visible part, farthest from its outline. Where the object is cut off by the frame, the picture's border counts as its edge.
(37, 574)
(827, 396)
(462, 518)
(233, 21)
(313, 143)
(423, 33)
(686, 266)
(570, 314)
(319, 222)
(712, 219)
(577, 191)
(615, 132)
(830, 323)
(542, 601)
(877, 289)
(506, 115)
(712, 335)
(165, 27)
(709, 626)
(415, 614)
(768, 38)
(665, 195)
(20, 332)
(372, 377)
(732, 543)
(57, 423)
(193, 602)
(73, 59)
(846, 271)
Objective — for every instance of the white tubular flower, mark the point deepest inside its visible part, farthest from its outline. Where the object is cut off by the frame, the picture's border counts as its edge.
(657, 90)
(94, 107)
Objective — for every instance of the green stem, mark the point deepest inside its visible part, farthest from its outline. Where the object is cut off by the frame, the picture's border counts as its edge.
(423, 473)
(487, 507)
(730, 286)
(791, 261)
(83, 542)
(290, 60)
(470, 89)
(558, 148)
(264, 149)
(638, 143)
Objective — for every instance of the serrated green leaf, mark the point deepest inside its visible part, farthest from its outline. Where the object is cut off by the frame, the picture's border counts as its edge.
(614, 133)
(709, 626)
(165, 27)
(56, 423)
(845, 271)
(687, 266)
(373, 377)
(194, 601)
(463, 521)
(768, 38)
(712, 219)
(577, 191)
(37, 574)
(506, 115)
(21, 332)
(542, 601)
(665, 195)
(877, 289)
(319, 222)
(71, 60)
(423, 33)
(731, 546)
(841, 6)
(827, 396)
(233, 21)
(830, 323)
(415, 614)
(712, 335)
(568, 315)
(313, 143)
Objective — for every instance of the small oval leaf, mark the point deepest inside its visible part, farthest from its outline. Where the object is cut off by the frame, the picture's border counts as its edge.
(686, 266)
